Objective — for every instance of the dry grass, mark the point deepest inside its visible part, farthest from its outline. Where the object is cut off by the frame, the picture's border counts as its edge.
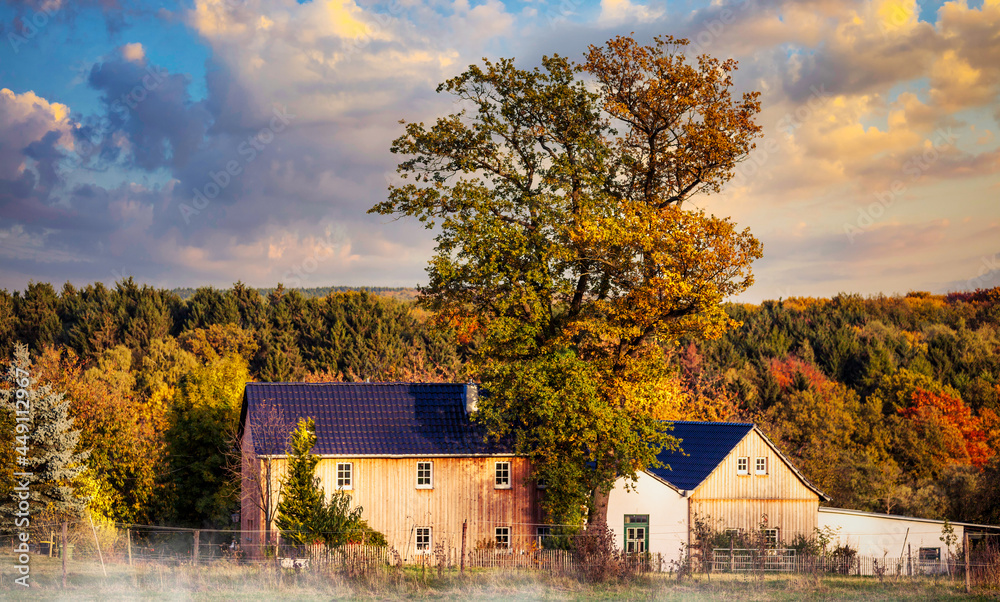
(224, 581)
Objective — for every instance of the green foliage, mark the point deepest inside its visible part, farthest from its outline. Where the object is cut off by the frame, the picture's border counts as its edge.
(205, 408)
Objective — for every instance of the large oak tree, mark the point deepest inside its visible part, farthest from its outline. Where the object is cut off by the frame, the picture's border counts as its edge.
(562, 194)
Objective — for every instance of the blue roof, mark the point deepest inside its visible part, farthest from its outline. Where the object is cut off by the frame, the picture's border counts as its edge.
(703, 446)
(378, 419)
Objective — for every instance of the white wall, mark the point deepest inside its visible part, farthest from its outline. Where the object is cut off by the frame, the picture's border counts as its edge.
(667, 510)
(882, 534)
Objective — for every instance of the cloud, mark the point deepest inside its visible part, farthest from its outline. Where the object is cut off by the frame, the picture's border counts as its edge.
(151, 108)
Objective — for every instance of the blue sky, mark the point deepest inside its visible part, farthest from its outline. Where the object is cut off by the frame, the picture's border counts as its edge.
(878, 172)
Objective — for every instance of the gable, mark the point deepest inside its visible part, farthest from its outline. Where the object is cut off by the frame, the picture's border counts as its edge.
(377, 419)
(781, 481)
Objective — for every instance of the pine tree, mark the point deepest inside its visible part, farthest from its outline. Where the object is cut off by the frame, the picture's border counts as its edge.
(52, 458)
(301, 509)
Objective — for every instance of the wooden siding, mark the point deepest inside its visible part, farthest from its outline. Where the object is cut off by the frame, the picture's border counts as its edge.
(729, 500)
(464, 490)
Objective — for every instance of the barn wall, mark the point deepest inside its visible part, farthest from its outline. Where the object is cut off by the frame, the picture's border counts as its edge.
(463, 491)
(729, 500)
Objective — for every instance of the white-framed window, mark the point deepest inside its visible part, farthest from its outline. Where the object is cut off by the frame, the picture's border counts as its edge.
(503, 538)
(771, 536)
(345, 475)
(760, 466)
(743, 465)
(425, 542)
(543, 534)
(425, 475)
(502, 475)
(732, 532)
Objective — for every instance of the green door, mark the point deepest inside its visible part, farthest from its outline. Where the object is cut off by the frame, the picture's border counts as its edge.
(636, 533)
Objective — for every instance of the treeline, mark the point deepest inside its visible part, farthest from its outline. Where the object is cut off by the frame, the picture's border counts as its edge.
(887, 404)
(155, 382)
(392, 292)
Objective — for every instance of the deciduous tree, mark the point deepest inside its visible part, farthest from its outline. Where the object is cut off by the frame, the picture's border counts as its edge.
(565, 236)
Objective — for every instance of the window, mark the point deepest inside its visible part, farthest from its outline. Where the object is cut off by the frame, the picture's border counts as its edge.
(760, 467)
(345, 473)
(543, 534)
(503, 538)
(743, 465)
(636, 533)
(541, 484)
(732, 532)
(929, 554)
(771, 536)
(425, 475)
(423, 540)
(502, 475)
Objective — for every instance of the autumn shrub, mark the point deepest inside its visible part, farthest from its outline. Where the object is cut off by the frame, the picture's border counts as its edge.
(599, 560)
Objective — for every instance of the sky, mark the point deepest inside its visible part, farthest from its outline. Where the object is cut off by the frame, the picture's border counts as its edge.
(204, 142)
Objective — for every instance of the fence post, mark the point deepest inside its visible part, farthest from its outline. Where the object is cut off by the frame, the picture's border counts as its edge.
(909, 560)
(965, 546)
(63, 549)
(732, 558)
(465, 525)
(194, 553)
(128, 532)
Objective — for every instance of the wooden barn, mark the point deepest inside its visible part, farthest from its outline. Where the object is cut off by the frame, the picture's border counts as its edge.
(407, 453)
(728, 474)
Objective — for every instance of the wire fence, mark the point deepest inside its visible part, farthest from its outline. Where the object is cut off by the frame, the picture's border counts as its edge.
(87, 543)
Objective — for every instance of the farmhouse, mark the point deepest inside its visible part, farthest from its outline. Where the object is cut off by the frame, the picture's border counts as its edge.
(407, 453)
(422, 470)
(727, 474)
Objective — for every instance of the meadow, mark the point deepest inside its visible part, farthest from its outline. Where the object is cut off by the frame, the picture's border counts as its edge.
(228, 581)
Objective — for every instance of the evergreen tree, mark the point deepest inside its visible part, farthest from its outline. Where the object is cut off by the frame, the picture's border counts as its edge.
(52, 458)
(38, 316)
(300, 512)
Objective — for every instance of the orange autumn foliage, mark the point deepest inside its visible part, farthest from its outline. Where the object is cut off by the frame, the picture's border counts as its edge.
(965, 438)
(786, 370)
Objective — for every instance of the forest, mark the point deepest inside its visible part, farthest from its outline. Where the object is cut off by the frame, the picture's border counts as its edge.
(886, 403)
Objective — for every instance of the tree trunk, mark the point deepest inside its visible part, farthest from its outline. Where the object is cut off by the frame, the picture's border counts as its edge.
(597, 516)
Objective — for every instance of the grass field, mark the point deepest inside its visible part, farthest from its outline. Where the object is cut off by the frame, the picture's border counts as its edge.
(222, 581)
